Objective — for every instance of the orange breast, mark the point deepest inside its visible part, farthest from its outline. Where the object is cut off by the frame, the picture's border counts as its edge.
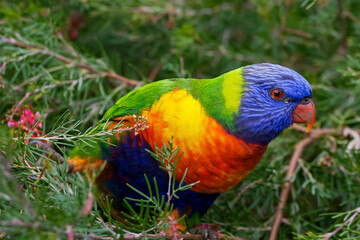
(212, 156)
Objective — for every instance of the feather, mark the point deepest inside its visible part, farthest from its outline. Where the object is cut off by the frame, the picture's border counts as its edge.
(222, 126)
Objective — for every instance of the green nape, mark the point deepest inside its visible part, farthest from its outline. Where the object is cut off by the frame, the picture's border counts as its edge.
(221, 97)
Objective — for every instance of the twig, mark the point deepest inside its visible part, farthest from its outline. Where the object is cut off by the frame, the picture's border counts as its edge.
(352, 17)
(298, 32)
(187, 236)
(2, 66)
(70, 233)
(128, 233)
(67, 45)
(286, 186)
(52, 153)
(329, 235)
(28, 94)
(314, 130)
(306, 171)
(167, 236)
(247, 187)
(155, 72)
(8, 174)
(35, 78)
(106, 226)
(341, 19)
(70, 61)
(313, 135)
(240, 228)
(52, 138)
(20, 103)
(38, 225)
(181, 12)
(86, 209)
(244, 190)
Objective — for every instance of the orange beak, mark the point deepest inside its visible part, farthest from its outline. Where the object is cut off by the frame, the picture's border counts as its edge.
(305, 113)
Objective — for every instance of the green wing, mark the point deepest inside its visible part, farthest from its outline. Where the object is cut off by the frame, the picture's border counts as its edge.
(220, 97)
(139, 99)
(132, 103)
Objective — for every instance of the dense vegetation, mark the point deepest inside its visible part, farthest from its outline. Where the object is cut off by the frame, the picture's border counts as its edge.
(62, 62)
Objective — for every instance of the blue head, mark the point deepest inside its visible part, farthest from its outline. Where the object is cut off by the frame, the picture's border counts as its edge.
(272, 93)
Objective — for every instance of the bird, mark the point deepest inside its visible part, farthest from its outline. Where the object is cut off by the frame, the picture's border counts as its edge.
(222, 127)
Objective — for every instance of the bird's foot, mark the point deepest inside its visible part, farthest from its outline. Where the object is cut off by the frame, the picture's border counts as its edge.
(206, 231)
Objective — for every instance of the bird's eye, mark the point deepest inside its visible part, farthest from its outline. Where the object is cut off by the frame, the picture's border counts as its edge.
(276, 94)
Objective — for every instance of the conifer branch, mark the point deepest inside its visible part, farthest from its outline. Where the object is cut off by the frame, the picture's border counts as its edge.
(299, 148)
(348, 221)
(71, 62)
(286, 187)
(45, 51)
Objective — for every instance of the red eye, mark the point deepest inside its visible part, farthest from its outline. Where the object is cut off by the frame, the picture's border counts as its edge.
(276, 94)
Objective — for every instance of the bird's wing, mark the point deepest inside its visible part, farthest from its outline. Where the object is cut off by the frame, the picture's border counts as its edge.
(85, 156)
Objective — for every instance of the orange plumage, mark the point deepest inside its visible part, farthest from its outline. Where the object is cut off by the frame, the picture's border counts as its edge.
(222, 126)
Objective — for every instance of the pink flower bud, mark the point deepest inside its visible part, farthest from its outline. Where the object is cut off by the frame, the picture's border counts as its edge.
(13, 124)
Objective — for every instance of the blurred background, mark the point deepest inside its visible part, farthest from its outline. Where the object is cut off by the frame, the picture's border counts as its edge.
(60, 56)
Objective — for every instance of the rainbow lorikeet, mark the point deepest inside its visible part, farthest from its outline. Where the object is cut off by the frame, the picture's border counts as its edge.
(222, 126)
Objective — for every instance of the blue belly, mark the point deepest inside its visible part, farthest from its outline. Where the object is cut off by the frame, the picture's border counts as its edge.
(128, 161)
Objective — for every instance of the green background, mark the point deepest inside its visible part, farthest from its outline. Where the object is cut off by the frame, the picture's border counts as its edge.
(148, 40)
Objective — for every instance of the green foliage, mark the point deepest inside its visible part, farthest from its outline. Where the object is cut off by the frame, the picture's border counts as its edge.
(154, 212)
(61, 56)
(47, 203)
